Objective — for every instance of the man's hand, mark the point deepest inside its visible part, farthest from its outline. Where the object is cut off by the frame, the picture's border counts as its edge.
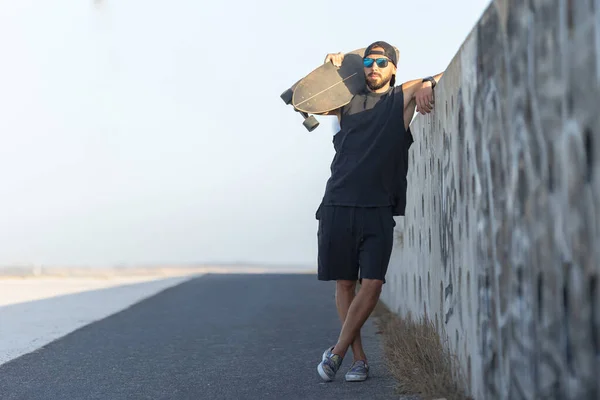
(335, 58)
(424, 98)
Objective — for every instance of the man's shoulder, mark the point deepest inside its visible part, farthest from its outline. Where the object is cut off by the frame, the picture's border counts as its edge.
(399, 90)
(357, 98)
(361, 94)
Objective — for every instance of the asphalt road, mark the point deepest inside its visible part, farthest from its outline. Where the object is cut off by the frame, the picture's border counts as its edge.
(214, 337)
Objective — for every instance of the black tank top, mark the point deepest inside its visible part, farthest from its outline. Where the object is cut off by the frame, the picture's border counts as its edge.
(371, 153)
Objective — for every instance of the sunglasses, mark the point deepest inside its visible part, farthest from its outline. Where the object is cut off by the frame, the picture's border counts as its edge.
(381, 62)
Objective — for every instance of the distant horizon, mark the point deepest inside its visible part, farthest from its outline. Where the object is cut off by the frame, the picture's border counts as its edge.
(182, 265)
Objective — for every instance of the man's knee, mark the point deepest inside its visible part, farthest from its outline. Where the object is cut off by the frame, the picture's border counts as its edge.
(372, 286)
(345, 286)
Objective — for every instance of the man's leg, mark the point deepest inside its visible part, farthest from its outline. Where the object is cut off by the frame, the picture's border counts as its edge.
(338, 260)
(377, 232)
(344, 295)
(358, 313)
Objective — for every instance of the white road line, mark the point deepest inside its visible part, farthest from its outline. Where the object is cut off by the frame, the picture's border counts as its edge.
(35, 312)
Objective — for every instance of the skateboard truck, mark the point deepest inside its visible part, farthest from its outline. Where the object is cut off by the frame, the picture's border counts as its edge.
(310, 122)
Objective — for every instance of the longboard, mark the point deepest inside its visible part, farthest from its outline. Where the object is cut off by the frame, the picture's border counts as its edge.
(327, 88)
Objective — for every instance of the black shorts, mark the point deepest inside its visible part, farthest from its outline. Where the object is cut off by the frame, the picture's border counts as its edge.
(354, 242)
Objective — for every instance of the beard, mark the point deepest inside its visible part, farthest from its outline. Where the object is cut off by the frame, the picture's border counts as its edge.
(375, 85)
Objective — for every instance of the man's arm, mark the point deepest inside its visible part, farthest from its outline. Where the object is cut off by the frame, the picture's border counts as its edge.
(421, 92)
(409, 112)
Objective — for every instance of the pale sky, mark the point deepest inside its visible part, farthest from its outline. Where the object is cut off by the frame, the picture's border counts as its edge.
(136, 132)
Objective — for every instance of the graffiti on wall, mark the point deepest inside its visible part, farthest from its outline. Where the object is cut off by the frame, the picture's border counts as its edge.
(503, 210)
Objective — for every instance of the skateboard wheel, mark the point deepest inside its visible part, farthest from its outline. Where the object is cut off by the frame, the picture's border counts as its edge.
(287, 96)
(311, 123)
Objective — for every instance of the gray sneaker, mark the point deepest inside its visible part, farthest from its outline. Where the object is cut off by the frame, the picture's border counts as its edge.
(327, 353)
(358, 372)
(329, 365)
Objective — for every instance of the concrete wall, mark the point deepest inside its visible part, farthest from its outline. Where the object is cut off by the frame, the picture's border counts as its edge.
(501, 239)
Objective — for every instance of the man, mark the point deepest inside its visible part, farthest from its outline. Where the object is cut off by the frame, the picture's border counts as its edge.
(366, 189)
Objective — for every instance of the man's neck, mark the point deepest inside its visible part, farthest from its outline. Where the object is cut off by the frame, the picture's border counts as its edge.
(381, 90)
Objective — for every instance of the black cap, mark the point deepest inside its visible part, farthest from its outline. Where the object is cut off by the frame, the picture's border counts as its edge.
(388, 51)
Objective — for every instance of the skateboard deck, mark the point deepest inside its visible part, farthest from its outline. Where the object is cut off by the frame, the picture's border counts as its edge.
(327, 87)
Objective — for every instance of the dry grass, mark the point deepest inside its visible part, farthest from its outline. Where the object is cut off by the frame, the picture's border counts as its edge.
(418, 358)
